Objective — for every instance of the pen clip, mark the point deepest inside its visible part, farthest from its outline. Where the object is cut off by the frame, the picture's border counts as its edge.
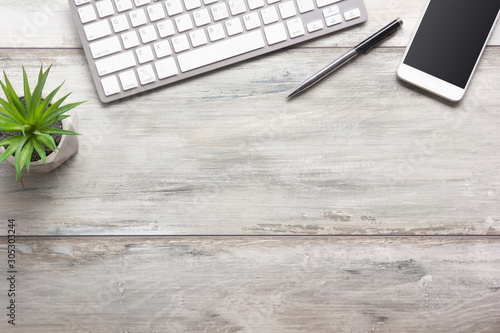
(379, 36)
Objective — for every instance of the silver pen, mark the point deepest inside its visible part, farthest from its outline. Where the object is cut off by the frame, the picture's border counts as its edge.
(362, 47)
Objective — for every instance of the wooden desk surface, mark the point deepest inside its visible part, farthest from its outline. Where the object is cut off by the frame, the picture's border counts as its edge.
(216, 205)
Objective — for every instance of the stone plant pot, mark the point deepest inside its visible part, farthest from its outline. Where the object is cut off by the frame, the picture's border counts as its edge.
(67, 148)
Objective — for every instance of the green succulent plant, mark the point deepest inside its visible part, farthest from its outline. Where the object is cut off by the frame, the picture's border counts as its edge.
(31, 122)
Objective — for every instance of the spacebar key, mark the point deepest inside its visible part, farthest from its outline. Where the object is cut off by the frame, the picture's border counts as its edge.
(220, 51)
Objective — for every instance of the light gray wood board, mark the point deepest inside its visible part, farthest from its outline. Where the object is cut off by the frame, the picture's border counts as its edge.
(226, 153)
(49, 24)
(249, 284)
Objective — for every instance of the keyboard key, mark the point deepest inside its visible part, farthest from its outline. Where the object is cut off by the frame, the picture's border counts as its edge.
(146, 74)
(173, 7)
(234, 26)
(162, 49)
(269, 15)
(330, 11)
(216, 32)
(219, 51)
(323, 3)
(315, 26)
(138, 17)
(166, 68)
(156, 12)
(115, 63)
(198, 37)
(352, 14)
(332, 20)
(144, 54)
(128, 80)
(110, 85)
(165, 28)
(237, 6)
(105, 47)
(192, 4)
(275, 33)
(180, 43)
(120, 23)
(148, 34)
(87, 14)
(81, 2)
(287, 9)
(219, 11)
(295, 27)
(305, 6)
(253, 4)
(105, 8)
(97, 30)
(201, 17)
(130, 39)
(139, 3)
(183, 22)
(251, 21)
(123, 5)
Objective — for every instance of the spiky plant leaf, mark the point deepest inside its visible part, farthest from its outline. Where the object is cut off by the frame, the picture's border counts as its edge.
(64, 116)
(49, 118)
(13, 143)
(26, 153)
(39, 148)
(27, 92)
(18, 161)
(10, 127)
(53, 130)
(12, 112)
(12, 96)
(9, 140)
(38, 112)
(46, 139)
(37, 93)
(54, 106)
(4, 118)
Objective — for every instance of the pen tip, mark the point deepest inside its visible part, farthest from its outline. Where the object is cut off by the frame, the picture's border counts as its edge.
(293, 93)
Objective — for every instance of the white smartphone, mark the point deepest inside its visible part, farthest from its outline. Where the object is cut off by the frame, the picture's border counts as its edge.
(445, 49)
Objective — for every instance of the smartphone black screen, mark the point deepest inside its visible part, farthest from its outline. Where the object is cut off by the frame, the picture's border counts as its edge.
(450, 38)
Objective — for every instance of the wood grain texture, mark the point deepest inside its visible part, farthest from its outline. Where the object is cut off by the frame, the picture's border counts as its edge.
(278, 284)
(226, 153)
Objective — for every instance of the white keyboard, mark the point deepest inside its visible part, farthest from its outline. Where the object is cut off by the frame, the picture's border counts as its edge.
(137, 45)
